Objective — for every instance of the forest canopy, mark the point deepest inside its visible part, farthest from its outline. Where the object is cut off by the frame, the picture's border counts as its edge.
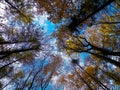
(82, 53)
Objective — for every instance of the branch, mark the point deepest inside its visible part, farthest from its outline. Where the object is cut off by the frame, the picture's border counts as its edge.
(15, 8)
(9, 63)
(83, 80)
(117, 22)
(27, 79)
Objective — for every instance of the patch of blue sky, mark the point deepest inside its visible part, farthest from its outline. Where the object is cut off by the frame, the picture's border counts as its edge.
(49, 88)
(50, 27)
(83, 58)
(47, 26)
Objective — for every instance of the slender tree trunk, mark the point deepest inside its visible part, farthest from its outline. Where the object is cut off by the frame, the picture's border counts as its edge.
(90, 88)
(105, 51)
(15, 42)
(18, 50)
(104, 58)
(9, 63)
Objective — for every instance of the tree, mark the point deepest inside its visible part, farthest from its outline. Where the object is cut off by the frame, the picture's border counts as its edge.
(20, 40)
(58, 9)
(101, 41)
(82, 12)
(41, 77)
(24, 42)
(20, 9)
(17, 45)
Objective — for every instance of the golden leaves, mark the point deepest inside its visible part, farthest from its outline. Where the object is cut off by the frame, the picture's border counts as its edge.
(91, 70)
(26, 18)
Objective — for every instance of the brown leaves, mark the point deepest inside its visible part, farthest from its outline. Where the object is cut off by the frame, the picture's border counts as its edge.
(53, 65)
(58, 9)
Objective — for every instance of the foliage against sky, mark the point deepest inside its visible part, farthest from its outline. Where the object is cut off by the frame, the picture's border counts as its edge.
(60, 44)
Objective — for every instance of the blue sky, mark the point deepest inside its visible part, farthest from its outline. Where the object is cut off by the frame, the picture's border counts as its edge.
(49, 28)
(43, 22)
